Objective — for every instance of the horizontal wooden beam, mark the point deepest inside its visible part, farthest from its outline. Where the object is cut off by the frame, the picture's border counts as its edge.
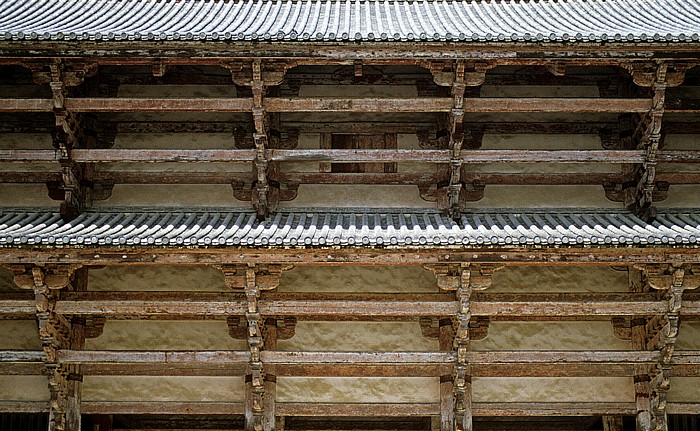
(273, 357)
(21, 356)
(298, 104)
(501, 306)
(357, 409)
(313, 409)
(553, 409)
(24, 406)
(350, 256)
(160, 407)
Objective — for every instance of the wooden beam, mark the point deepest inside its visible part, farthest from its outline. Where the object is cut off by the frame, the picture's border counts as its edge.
(554, 409)
(160, 407)
(357, 409)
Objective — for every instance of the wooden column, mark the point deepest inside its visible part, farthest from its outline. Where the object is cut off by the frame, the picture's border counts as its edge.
(463, 279)
(660, 333)
(56, 333)
(261, 333)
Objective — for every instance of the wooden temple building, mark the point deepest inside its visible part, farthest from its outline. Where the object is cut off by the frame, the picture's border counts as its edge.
(349, 215)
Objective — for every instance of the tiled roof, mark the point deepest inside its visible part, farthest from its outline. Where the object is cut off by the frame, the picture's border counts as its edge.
(352, 20)
(348, 228)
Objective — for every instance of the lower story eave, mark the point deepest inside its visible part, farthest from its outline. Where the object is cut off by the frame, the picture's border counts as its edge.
(365, 256)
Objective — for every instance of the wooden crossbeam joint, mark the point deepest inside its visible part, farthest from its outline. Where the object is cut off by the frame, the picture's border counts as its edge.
(662, 331)
(256, 329)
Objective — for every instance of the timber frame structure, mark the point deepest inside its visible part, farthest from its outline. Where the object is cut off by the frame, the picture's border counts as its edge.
(272, 92)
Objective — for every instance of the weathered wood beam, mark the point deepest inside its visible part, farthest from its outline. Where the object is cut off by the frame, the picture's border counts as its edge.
(553, 409)
(161, 407)
(350, 256)
(280, 104)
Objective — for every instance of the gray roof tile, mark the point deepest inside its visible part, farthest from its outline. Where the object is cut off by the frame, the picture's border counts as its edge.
(352, 20)
(379, 228)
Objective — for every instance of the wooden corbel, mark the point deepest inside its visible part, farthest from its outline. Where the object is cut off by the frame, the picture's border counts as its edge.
(622, 328)
(52, 276)
(478, 327)
(159, 68)
(451, 276)
(644, 73)
(94, 326)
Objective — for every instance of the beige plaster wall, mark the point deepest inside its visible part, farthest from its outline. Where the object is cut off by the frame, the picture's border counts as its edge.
(552, 389)
(24, 388)
(684, 390)
(358, 389)
(688, 336)
(26, 195)
(173, 195)
(148, 388)
(358, 336)
(19, 335)
(177, 91)
(7, 283)
(557, 279)
(358, 91)
(350, 279)
(157, 278)
(681, 196)
(551, 336)
(165, 335)
(503, 196)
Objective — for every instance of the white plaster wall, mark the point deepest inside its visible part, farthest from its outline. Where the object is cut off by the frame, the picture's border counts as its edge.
(26, 195)
(175, 141)
(7, 283)
(576, 91)
(157, 278)
(502, 196)
(19, 335)
(165, 335)
(24, 388)
(358, 336)
(551, 336)
(542, 142)
(679, 142)
(358, 91)
(358, 389)
(684, 390)
(148, 388)
(688, 336)
(552, 389)
(681, 196)
(177, 91)
(556, 279)
(350, 279)
(355, 196)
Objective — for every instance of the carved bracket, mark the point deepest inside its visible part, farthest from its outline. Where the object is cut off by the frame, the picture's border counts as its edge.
(267, 276)
(622, 328)
(644, 73)
(617, 192)
(453, 276)
(478, 327)
(54, 277)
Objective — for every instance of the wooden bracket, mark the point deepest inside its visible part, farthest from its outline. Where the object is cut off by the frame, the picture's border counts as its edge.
(94, 326)
(617, 192)
(478, 327)
(644, 74)
(267, 276)
(451, 277)
(622, 328)
(53, 276)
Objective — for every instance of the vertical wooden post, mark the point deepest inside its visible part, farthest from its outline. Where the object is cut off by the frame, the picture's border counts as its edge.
(642, 387)
(612, 423)
(446, 339)
(270, 337)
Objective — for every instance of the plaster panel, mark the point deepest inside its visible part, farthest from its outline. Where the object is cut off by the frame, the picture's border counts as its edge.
(350, 279)
(26, 195)
(356, 91)
(681, 196)
(541, 142)
(529, 279)
(173, 195)
(25, 91)
(354, 196)
(410, 142)
(358, 336)
(19, 335)
(24, 388)
(165, 335)
(679, 142)
(551, 336)
(306, 141)
(177, 91)
(539, 91)
(688, 336)
(26, 141)
(358, 389)
(544, 197)
(684, 390)
(147, 388)
(552, 389)
(157, 278)
(7, 283)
